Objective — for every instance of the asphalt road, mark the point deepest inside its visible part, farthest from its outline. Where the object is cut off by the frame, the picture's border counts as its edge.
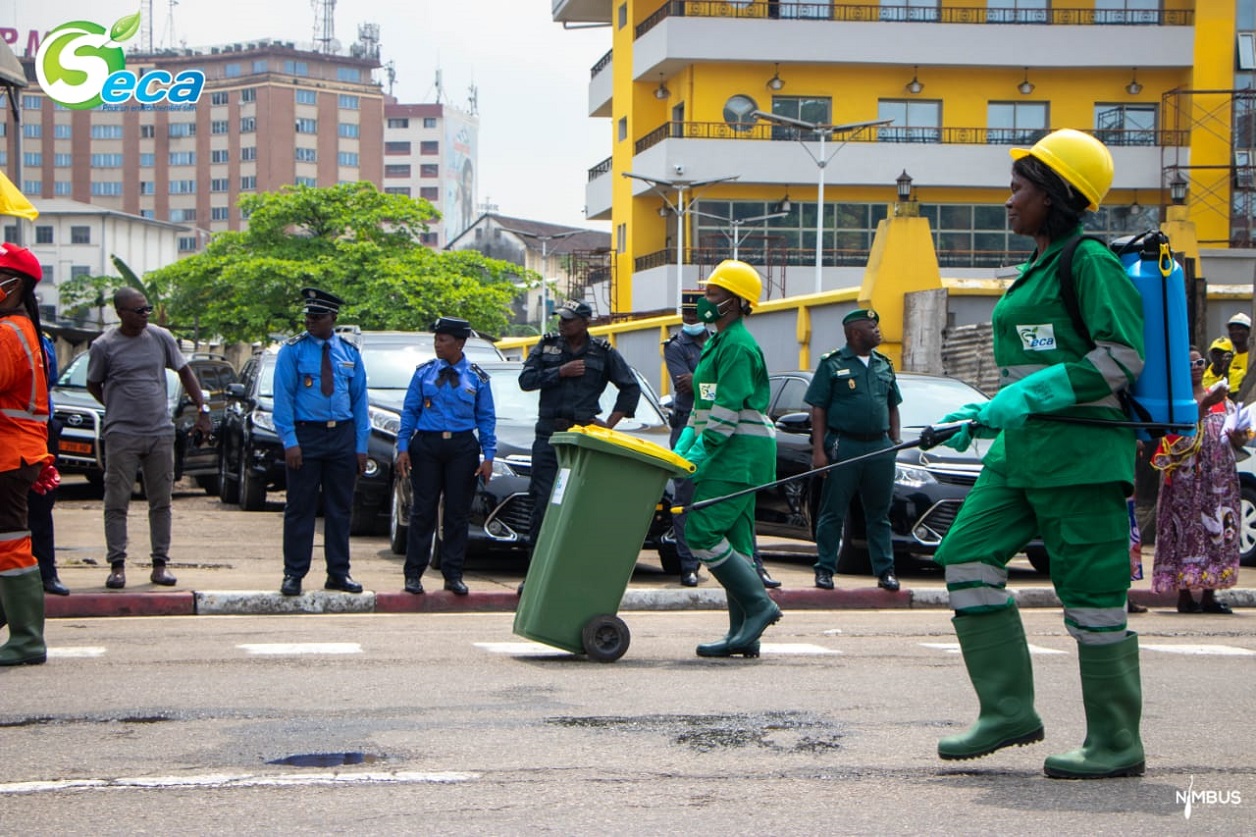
(175, 725)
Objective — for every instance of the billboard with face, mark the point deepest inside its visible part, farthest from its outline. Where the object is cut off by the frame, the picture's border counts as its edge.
(460, 163)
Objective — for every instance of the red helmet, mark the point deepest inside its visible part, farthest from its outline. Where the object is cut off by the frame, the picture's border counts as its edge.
(19, 260)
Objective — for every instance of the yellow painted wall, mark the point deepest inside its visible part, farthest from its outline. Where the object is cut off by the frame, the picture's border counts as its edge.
(1209, 197)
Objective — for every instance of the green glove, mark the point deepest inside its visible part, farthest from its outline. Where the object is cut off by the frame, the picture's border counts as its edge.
(697, 454)
(1045, 391)
(961, 440)
(687, 437)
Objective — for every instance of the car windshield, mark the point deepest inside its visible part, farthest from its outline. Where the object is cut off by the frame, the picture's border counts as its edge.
(513, 404)
(391, 365)
(926, 400)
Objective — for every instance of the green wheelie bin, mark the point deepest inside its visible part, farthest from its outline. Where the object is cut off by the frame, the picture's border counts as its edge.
(604, 497)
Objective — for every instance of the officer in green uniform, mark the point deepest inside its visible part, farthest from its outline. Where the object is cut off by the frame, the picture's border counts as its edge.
(854, 402)
(1065, 481)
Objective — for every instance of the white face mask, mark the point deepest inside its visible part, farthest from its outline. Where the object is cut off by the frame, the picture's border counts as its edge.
(7, 286)
(693, 329)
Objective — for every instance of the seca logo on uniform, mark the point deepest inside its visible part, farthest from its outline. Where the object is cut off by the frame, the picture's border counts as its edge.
(1037, 338)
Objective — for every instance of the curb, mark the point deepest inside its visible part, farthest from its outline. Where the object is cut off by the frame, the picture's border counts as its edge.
(269, 602)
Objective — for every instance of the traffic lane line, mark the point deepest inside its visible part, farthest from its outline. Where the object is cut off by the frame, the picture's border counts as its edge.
(240, 780)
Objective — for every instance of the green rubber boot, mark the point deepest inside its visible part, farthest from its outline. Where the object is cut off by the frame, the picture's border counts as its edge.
(22, 598)
(758, 611)
(721, 647)
(1112, 693)
(997, 658)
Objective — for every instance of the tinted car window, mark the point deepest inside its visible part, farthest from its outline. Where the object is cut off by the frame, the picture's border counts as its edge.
(791, 400)
(75, 375)
(927, 400)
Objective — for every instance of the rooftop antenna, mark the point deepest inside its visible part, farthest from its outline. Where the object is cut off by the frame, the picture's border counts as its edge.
(440, 88)
(325, 26)
(169, 31)
(390, 72)
(146, 27)
(473, 100)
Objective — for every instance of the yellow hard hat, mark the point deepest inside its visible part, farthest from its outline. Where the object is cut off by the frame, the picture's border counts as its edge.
(738, 278)
(1083, 161)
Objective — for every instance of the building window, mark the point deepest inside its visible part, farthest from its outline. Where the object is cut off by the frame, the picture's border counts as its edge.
(182, 158)
(80, 235)
(348, 130)
(429, 170)
(348, 102)
(1016, 123)
(148, 131)
(399, 123)
(231, 70)
(623, 15)
(34, 159)
(186, 243)
(33, 130)
(429, 147)
(10, 233)
(107, 188)
(307, 155)
(296, 68)
(32, 102)
(260, 65)
(178, 216)
(147, 160)
(63, 160)
(220, 126)
(62, 132)
(219, 213)
(101, 132)
(33, 188)
(347, 158)
(49, 273)
(914, 121)
(909, 10)
(147, 213)
(219, 97)
(77, 270)
(219, 155)
(182, 129)
(248, 124)
(248, 183)
(62, 188)
(621, 238)
(248, 153)
(307, 97)
(248, 94)
(1125, 124)
(148, 187)
(396, 148)
(1016, 11)
(397, 170)
(430, 193)
(307, 126)
(429, 122)
(348, 74)
(43, 235)
(1127, 11)
(311, 182)
(219, 184)
(183, 187)
(397, 190)
(815, 109)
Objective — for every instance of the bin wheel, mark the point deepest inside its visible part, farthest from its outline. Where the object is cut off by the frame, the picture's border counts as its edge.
(605, 638)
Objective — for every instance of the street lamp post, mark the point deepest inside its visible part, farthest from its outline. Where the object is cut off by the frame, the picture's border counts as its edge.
(736, 237)
(822, 130)
(680, 208)
(545, 239)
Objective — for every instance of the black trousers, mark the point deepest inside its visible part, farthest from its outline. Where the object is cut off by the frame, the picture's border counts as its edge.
(544, 472)
(441, 466)
(330, 463)
(39, 516)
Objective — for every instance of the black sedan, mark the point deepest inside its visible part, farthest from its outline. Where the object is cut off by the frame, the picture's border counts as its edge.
(929, 486)
(502, 509)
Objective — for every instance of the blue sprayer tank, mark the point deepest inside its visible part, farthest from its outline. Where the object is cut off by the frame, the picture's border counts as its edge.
(1164, 388)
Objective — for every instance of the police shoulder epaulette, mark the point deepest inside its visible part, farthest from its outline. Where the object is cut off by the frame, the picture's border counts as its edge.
(828, 355)
(351, 346)
(671, 339)
(479, 373)
(550, 336)
(292, 341)
(426, 364)
(601, 342)
(885, 358)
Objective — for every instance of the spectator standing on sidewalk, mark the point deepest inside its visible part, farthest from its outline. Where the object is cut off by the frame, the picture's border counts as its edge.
(24, 459)
(681, 352)
(321, 418)
(39, 505)
(126, 371)
(1239, 327)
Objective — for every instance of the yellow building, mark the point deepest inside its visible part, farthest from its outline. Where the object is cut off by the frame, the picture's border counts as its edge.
(704, 101)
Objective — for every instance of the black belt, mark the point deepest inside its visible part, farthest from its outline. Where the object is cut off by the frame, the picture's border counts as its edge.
(863, 437)
(566, 424)
(443, 434)
(322, 424)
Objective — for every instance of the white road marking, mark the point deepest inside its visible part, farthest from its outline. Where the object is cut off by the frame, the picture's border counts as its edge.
(795, 648)
(291, 648)
(77, 651)
(239, 780)
(1207, 650)
(953, 648)
(523, 649)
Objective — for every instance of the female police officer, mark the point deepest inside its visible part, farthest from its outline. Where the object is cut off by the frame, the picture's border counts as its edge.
(448, 400)
(733, 443)
(1065, 481)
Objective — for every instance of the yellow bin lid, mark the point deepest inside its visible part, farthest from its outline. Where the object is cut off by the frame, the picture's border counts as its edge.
(634, 444)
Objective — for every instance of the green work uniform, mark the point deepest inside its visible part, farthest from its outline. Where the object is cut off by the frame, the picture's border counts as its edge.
(858, 398)
(731, 395)
(1065, 482)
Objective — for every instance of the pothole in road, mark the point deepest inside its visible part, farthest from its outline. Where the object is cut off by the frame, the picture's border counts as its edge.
(780, 731)
(327, 759)
(52, 720)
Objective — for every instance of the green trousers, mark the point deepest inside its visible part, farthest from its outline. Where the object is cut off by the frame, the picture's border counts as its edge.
(873, 481)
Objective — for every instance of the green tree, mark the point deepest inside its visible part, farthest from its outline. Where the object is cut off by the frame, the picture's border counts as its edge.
(351, 240)
(81, 293)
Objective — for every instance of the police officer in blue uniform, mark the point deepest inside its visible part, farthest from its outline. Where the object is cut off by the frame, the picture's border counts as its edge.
(854, 400)
(321, 418)
(448, 401)
(571, 369)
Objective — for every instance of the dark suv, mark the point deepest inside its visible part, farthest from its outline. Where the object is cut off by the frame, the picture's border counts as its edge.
(82, 420)
(251, 459)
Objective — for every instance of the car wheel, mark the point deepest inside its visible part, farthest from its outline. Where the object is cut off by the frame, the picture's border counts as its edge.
(96, 479)
(211, 483)
(852, 559)
(398, 520)
(252, 489)
(669, 558)
(1039, 559)
(1247, 526)
(228, 487)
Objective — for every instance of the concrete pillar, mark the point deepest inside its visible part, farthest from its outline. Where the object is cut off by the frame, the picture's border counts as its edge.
(902, 261)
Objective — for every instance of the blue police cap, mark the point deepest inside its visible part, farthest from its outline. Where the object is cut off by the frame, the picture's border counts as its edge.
(320, 302)
(453, 326)
(574, 308)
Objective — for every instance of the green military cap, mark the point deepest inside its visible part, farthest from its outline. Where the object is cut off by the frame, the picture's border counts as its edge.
(861, 314)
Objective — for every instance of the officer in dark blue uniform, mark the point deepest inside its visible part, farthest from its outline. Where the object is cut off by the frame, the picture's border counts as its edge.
(449, 399)
(321, 418)
(571, 369)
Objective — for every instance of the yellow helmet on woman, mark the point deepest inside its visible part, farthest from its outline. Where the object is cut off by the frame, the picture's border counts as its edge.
(738, 278)
(1083, 161)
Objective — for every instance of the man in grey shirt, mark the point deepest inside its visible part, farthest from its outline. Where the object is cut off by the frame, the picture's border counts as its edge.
(126, 372)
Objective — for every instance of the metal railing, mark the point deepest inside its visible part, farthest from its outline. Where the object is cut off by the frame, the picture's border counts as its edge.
(600, 169)
(830, 257)
(889, 133)
(787, 10)
(602, 63)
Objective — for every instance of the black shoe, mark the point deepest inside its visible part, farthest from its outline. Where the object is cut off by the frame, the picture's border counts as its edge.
(768, 581)
(117, 577)
(343, 583)
(55, 587)
(414, 585)
(291, 586)
(160, 575)
(888, 581)
(824, 579)
(1212, 606)
(689, 580)
(455, 586)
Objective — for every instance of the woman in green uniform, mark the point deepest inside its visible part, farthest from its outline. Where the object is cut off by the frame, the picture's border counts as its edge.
(1065, 481)
(733, 443)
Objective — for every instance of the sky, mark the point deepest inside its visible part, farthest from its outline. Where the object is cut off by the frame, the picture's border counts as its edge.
(536, 138)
